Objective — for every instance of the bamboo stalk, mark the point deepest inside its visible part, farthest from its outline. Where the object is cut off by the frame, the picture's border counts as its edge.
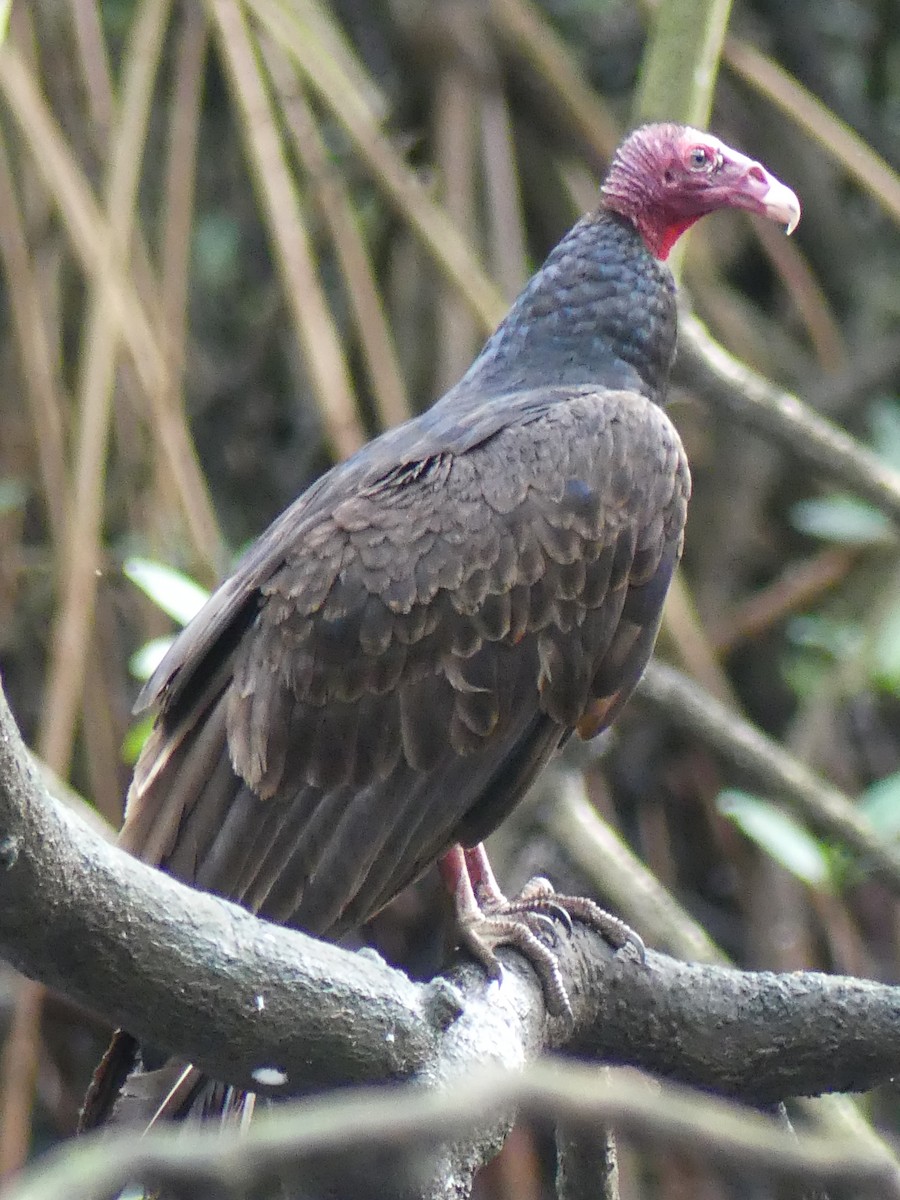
(522, 26)
(93, 241)
(99, 349)
(40, 375)
(314, 324)
(177, 454)
(336, 206)
(443, 240)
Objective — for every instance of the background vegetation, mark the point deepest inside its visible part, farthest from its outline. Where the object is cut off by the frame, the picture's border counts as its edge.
(239, 239)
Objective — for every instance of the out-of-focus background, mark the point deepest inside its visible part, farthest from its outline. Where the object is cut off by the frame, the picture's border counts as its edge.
(238, 240)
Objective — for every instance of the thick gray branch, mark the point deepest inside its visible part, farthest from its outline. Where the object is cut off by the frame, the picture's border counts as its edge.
(210, 982)
(156, 957)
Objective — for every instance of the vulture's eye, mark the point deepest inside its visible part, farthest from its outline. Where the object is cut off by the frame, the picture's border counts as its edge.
(700, 158)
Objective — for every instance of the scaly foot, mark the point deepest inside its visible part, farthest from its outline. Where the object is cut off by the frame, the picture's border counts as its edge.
(488, 920)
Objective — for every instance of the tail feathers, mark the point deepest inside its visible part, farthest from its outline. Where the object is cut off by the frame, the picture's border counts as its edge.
(108, 1079)
(126, 1093)
(148, 1097)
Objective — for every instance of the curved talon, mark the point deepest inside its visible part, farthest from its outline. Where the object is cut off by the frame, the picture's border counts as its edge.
(483, 952)
(536, 922)
(558, 913)
(547, 908)
(539, 895)
(637, 943)
(551, 913)
(612, 929)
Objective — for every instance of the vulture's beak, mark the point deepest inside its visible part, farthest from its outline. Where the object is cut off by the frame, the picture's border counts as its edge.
(780, 204)
(756, 190)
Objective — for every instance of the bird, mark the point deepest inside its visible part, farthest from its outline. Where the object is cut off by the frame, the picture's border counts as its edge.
(395, 659)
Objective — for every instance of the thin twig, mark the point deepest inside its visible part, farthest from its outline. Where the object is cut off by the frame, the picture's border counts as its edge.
(18, 1076)
(336, 207)
(313, 321)
(525, 29)
(682, 627)
(832, 135)
(450, 249)
(93, 59)
(800, 585)
(824, 806)
(620, 877)
(392, 1118)
(42, 385)
(783, 417)
(178, 456)
(457, 102)
(806, 293)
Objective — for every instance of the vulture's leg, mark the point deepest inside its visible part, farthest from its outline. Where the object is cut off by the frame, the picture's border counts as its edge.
(488, 920)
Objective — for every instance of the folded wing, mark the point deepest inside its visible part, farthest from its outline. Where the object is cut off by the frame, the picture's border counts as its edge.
(391, 668)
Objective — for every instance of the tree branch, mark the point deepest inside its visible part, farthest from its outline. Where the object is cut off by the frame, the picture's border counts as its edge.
(826, 807)
(211, 983)
(780, 415)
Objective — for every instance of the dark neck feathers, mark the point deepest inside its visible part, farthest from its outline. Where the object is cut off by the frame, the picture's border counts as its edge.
(600, 310)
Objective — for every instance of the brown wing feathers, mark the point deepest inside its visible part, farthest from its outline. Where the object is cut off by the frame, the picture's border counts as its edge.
(413, 661)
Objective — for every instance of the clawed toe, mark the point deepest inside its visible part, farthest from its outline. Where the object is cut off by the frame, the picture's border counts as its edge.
(612, 929)
(531, 922)
(544, 905)
(482, 938)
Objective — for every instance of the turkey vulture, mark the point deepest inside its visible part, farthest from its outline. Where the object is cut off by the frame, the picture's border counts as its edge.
(399, 654)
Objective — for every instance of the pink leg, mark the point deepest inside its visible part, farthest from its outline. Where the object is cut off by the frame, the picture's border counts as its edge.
(483, 881)
(454, 874)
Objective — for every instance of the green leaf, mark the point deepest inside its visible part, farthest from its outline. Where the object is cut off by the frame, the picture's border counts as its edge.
(816, 643)
(843, 519)
(169, 589)
(886, 652)
(779, 835)
(144, 662)
(880, 802)
(806, 673)
(838, 639)
(133, 742)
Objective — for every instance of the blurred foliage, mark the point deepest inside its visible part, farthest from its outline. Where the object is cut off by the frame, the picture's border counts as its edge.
(236, 240)
(780, 835)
